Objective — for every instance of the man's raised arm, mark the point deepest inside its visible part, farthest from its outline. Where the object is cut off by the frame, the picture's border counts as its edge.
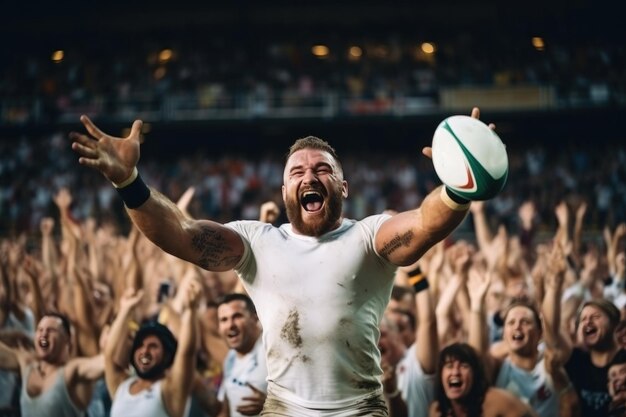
(207, 244)
(405, 237)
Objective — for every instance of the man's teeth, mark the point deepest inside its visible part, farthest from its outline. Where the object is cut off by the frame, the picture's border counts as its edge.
(144, 360)
(454, 382)
(43, 343)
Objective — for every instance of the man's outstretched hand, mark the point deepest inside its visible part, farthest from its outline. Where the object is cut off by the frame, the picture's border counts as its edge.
(428, 151)
(114, 157)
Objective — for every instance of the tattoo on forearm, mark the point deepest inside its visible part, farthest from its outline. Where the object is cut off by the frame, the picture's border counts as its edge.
(397, 242)
(212, 247)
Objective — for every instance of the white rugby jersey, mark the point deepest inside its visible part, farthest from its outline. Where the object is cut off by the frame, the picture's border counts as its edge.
(319, 300)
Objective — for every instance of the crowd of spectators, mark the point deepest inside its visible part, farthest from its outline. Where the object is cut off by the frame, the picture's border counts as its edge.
(168, 75)
(232, 185)
(81, 266)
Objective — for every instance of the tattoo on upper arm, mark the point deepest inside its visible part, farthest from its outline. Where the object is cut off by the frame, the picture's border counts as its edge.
(397, 242)
(213, 248)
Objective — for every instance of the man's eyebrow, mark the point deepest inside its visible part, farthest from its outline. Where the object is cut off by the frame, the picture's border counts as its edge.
(317, 165)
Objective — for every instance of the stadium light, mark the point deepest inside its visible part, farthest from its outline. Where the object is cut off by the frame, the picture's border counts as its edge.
(538, 43)
(320, 51)
(428, 48)
(57, 56)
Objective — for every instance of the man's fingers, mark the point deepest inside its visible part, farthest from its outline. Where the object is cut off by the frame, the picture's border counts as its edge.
(82, 139)
(255, 389)
(88, 162)
(91, 128)
(85, 151)
(135, 130)
(476, 115)
(250, 400)
(428, 152)
(248, 409)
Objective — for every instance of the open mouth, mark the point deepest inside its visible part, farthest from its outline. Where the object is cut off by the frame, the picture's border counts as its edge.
(312, 201)
(455, 383)
(144, 360)
(589, 330)
(44, 344)
(518, 336)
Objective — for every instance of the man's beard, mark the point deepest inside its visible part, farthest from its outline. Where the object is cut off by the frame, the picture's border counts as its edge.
(319, 226)
(604, 343)
(152, 374)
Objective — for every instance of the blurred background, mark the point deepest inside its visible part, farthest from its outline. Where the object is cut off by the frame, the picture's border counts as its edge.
(224, 89)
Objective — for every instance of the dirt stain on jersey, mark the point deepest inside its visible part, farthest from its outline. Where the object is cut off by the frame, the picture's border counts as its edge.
(291, 329)
(374, 406)
(273, 407)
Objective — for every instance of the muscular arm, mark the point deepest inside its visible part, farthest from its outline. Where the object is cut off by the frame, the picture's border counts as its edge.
(405, 237)
(80, 375)
(177, 387)
(481, 225)
(551, 306)
(34, 275)
(427, 347)
(478, 334)
(85, 314)
(205, 243)
(114, 373)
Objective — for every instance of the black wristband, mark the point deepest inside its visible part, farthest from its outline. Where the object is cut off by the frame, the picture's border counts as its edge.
(418, 280)
(134, 194)
(421, 285)
(456, 198)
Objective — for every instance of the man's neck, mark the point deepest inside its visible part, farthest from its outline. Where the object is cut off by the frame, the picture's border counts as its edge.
(602, 357)
(244, 351)
(142, 384)
(45, 368)
(526, 362)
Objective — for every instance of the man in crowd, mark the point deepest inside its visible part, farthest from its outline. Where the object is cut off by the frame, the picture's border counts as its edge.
(53, 383)
(164, 367)
(588, 365)
(244, 385)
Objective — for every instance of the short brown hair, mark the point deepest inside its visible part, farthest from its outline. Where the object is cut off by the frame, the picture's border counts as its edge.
(313, 142)
(606, 306)
(524, 302)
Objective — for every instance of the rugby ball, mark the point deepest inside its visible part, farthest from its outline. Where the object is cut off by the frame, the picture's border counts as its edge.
(469, 158)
